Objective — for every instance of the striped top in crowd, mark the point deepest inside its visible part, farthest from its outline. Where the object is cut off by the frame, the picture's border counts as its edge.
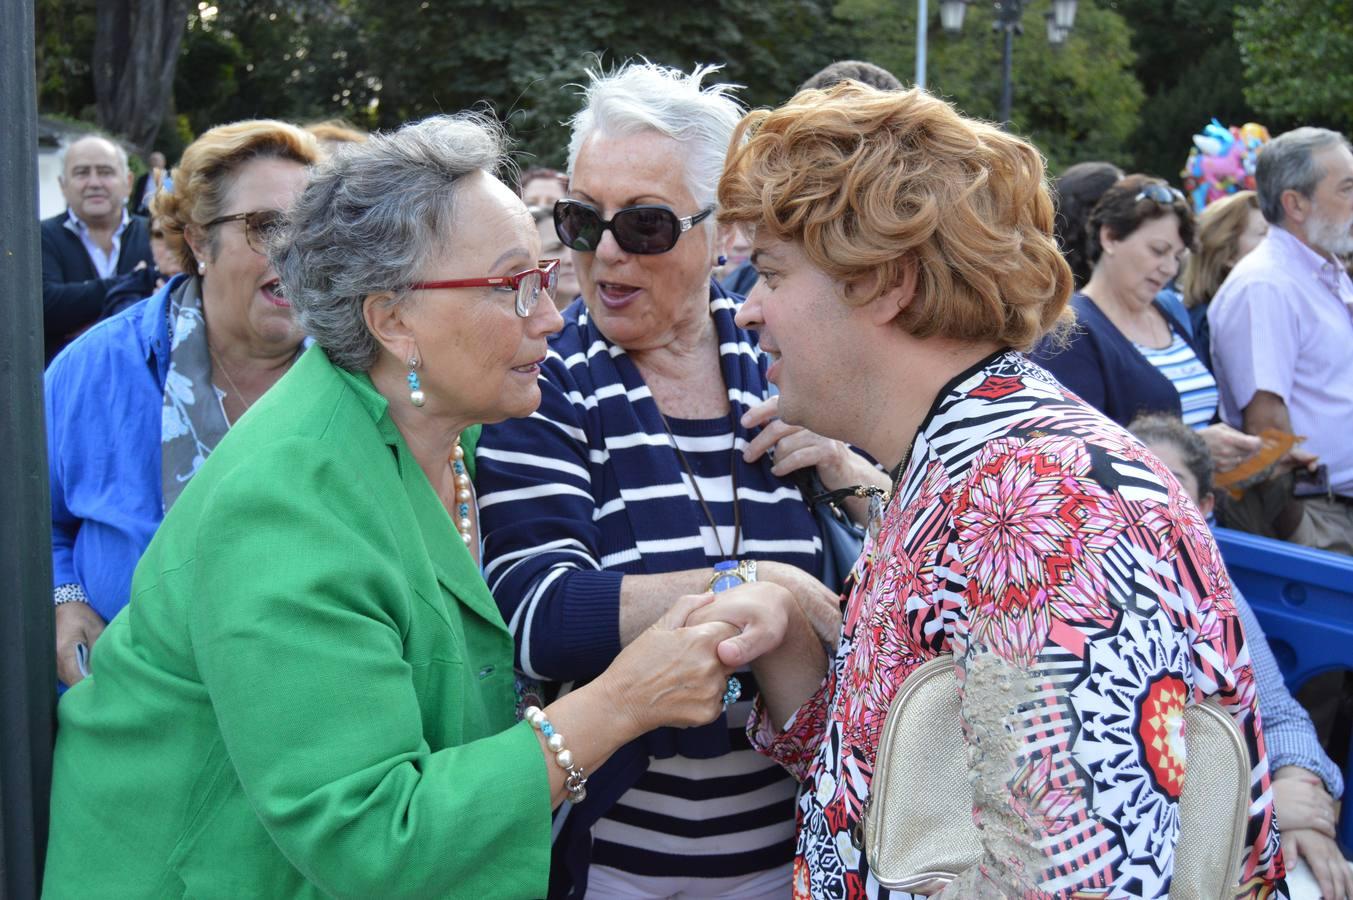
(589, 489)
(1195, 384)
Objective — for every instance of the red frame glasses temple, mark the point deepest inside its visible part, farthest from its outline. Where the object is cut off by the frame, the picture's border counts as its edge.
(546, 267)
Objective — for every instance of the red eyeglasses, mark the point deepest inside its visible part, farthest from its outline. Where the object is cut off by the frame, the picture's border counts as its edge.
(527, 284)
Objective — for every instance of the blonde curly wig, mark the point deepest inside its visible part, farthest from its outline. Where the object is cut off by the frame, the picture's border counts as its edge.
(872, 182)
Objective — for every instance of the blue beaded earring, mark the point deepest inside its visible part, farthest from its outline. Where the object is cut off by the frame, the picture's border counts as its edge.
(415, 389)
(723, 260)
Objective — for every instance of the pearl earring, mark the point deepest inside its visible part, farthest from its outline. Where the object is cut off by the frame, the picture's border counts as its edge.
(416, 396)
(201, 267)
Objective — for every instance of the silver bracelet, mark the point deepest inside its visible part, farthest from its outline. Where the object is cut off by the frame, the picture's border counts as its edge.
(576, 782)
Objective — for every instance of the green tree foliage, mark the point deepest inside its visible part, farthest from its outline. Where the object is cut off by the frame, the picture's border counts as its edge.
(1298, 57)
(1190, 67)
(298, 60)
(521, 56)
(379, 63)
(64, 49)
(1076, 102)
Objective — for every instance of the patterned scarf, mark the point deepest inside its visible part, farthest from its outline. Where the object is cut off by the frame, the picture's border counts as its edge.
(193, 421)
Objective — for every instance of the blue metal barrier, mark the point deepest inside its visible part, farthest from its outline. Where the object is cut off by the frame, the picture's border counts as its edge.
(1304, 600)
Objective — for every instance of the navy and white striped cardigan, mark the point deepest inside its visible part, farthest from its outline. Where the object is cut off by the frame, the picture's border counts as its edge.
(587, 490)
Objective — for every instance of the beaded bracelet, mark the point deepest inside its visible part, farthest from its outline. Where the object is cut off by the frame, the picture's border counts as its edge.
(576, 782)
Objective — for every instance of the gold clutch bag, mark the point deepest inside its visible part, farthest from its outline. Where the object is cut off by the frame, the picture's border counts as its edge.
(918, 829)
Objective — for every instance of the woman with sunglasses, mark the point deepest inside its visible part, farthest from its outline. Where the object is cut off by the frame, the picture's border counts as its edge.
(312, 693)
(645, 476)
(1129, 356)
(138, 402)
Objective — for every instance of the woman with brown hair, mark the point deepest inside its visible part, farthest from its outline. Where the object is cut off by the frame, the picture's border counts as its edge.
(1227, 231)
(139, 401)
(907, 260)
(1129, 355)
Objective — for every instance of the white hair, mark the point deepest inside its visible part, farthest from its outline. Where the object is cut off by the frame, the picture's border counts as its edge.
(640, 97)
(118, 148)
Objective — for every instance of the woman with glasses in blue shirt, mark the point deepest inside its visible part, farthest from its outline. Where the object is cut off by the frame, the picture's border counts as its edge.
(138, 402)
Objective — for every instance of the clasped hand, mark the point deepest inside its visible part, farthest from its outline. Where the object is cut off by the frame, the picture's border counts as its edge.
(760, 612)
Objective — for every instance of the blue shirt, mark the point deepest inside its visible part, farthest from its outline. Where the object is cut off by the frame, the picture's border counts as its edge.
(104, 394)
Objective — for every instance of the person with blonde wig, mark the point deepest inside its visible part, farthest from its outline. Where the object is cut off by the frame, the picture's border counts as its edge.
(137, 403)
(907, 258)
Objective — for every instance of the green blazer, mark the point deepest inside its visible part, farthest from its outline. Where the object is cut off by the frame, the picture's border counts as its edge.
(311, 691)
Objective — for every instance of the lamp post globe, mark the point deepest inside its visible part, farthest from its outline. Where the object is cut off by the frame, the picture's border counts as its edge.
(951, 15)
(1064, 13)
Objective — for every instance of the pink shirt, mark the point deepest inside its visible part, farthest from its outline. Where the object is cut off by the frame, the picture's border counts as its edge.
(1283, 323)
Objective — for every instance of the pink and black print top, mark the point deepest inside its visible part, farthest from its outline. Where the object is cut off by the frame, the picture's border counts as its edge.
(1046, 549)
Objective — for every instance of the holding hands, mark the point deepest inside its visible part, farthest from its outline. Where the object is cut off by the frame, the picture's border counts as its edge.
(773, 635)
(672, 674)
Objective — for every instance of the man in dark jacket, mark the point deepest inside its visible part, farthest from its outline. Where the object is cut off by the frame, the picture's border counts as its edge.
(86, 248)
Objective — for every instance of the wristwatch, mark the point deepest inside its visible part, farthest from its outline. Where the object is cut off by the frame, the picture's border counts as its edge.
(730, 574)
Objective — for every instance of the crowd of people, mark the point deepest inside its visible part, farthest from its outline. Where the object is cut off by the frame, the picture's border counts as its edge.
(422, 527)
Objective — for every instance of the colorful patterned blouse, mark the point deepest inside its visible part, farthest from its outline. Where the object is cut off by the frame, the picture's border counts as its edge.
(1030, 536)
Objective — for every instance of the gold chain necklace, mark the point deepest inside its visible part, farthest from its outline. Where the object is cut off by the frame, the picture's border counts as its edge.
(216, 362)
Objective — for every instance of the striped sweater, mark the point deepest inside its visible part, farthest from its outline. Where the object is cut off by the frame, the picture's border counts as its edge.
(589, 489)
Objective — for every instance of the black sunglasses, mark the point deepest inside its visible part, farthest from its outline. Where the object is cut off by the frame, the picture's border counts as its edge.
(646, 229)
(1160, 193)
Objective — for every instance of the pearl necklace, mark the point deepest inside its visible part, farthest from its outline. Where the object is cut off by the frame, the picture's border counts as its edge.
(463, 494)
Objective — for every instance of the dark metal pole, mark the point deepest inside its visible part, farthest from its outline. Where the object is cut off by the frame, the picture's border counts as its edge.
(1007, 20)
(27, 669)
(1007, 88)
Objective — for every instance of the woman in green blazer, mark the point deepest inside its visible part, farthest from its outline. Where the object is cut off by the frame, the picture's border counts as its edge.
(311, 692)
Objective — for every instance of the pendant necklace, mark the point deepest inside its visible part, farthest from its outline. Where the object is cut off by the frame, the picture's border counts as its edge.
(700, 497)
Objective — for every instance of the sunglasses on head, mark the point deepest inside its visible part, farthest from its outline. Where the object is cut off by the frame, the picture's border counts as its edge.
(1160, 193)
(259, 226)
(645, 229)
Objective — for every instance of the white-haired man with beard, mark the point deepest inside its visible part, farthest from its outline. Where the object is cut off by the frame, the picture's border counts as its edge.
(1282, 323)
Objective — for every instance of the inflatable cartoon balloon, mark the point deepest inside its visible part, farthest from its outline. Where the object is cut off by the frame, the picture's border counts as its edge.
(1222, 161)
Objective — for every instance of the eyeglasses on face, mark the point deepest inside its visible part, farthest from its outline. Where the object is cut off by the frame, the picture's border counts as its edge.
(527, 284)
(259, 227)
(646, 229)
(1160, 193)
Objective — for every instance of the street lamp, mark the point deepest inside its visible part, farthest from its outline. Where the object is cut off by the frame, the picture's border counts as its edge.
(1008, 12)
(1056, 33)
(951, 15)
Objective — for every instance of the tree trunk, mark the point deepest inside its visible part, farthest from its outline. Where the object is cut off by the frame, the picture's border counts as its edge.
(136, 48)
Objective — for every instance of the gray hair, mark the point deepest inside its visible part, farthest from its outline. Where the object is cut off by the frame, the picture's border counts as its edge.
(370, 217)
(1287, 163)
(120, 150)
(641, 97)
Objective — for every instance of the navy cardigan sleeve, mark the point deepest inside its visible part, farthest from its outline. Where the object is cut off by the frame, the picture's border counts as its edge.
(1101, 366)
